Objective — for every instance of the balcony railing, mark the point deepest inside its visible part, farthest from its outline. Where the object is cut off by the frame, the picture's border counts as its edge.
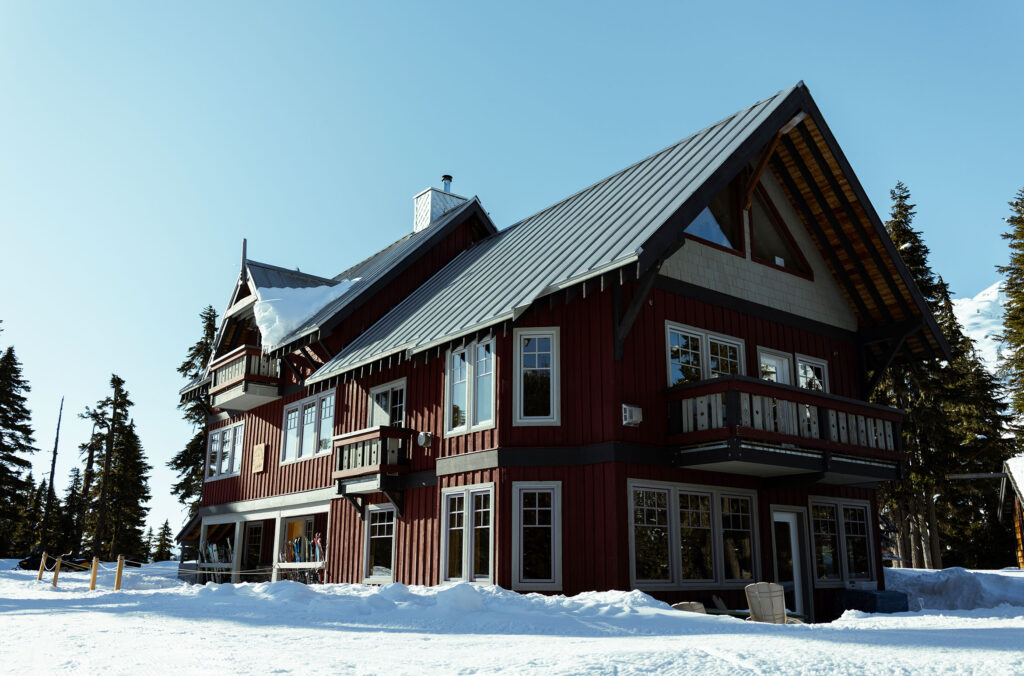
(373, 450)
(244, 378)
(771, 412)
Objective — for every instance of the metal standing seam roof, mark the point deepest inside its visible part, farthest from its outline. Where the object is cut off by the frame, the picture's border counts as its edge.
(264, 276)
(369, 271)
(599, 228)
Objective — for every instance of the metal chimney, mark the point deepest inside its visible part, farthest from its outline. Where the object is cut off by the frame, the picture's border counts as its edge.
(446, 181)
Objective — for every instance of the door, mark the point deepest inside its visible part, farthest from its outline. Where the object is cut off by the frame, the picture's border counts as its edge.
(790, 558)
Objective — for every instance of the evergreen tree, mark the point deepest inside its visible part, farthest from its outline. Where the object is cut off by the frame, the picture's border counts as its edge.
(116, 511)
(147, 541)
(189, 462)
(164, 543)
(30, 514)
(68, 528)
(1012, 366)
(16, 441)
(955, 424)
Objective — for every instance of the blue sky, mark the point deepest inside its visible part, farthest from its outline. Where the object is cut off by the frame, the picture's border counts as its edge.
(139, 143)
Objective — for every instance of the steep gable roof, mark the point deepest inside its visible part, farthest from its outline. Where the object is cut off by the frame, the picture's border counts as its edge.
(638, 215)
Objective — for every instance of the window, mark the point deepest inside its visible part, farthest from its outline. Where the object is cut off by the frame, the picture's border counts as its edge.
(380, 543)
(299, 542)
(466, 547)
(469, 395)
(537, 535)
(695, 355)
(770, 240)
(536, 377)
(719, 222)
(308, 427)
(774, 366)
(691, 535)
(253, 544)
(224, 453)
(811, 373)
(387, 405)
(842, 548)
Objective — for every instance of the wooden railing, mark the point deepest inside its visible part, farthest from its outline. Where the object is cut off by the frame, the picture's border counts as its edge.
(242, 363)
(375, 449)
(771, 412)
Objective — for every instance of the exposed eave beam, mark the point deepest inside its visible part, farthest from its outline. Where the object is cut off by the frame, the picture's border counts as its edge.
(887, 362)
(826, 210)
(623, 325)
(755, 178)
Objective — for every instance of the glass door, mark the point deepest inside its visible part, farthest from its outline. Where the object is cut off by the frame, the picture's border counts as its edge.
(789, 558)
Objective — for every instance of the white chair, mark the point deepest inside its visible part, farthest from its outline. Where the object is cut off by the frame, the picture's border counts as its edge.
(767, 602)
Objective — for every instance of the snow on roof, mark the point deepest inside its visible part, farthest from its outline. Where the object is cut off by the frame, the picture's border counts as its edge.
(1015, 470)
(279, 310)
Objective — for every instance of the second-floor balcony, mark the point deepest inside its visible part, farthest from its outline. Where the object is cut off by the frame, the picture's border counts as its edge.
(244, 379)
(748, 426)
(371, 461)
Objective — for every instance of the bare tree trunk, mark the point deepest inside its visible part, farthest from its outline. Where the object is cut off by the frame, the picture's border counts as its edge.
(915, 536)
(926, 540)
(933, 524)
(906, 553)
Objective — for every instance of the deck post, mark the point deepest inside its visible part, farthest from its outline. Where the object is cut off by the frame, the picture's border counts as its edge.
(92, 574)
(56, 570)
(120, 570)
(42, 566)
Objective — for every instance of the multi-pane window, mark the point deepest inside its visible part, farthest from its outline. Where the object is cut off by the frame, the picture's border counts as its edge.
(696, 536)
(842, 546)
(536, 377)
(380, 543)
(774, 366)
(737, 537)
(686, 535)
(811, 373)
(537, 537)
(467, 549)
(224, 453)
(253, 543)
(695, 355)
(307, 428)
(825, 525)
(651, 534)
(387, 405)
(470, 388)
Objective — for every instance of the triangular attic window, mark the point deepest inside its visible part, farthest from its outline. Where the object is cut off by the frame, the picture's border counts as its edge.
(718, 222)
(771, 241)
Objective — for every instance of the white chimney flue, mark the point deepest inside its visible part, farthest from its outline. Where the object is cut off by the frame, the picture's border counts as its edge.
(432, 203)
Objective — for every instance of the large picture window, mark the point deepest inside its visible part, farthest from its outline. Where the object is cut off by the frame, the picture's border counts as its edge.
(469, 391)
(684, 535)
(224, 451)
(842, 544)
(695, 354)
(467, 542)
(307, 428)
(536, 376)
(380, 544)
(537, 535)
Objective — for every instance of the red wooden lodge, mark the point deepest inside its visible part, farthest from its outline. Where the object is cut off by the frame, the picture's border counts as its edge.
(659, 383)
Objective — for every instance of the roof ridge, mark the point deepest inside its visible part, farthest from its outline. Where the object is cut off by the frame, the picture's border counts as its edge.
(249, 261)
(664, 150)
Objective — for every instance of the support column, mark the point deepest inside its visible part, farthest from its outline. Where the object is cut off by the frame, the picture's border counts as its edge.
(237, 558)
(277, 547)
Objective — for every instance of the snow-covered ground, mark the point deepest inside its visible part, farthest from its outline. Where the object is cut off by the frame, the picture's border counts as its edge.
(159, 625)
(982, 319)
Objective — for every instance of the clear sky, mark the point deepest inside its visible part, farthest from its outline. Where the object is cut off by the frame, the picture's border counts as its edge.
(140, 142)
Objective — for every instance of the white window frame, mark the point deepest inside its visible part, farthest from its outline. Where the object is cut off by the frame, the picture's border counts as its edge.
(467, 552)
(368, 578)
(705, 349)
(778, 354)
(520, 420)
(231, 431)
(299, 406)
(555, 583)
(675, 581)
(388, 387)
(471, 389)
(844, 573)
(812, 361)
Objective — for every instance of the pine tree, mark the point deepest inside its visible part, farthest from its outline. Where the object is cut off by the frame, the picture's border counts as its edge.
(31, 514)
(147, 542)
(955, 424)
(115, 514)
(189, 462)
(16, 441)
(1012, 367)
(68, 523)
(164, 543)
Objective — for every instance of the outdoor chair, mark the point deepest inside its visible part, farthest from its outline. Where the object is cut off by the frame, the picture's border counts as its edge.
(767, 603)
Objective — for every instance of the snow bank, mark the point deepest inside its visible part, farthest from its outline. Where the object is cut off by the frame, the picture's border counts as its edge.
(279, 311)
(982, 319)
(957, 588)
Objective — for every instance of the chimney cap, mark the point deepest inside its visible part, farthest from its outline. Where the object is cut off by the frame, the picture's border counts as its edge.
(446, 177)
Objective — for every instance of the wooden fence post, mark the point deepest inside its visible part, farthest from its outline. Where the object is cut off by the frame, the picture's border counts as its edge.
(56, 571)
(95, 569)
(117, 575)
(42, 566)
